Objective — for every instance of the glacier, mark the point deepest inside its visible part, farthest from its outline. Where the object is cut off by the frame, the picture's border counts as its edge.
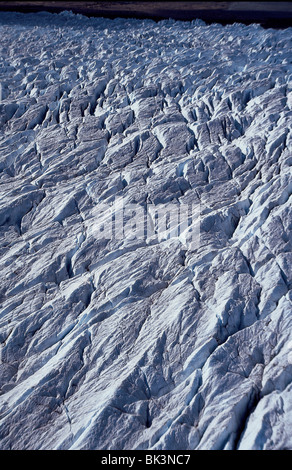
(144, 341)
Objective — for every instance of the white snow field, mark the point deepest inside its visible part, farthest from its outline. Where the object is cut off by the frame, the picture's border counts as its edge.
(144, 342)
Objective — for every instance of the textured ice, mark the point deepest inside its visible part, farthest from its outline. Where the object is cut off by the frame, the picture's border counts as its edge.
(135, 342)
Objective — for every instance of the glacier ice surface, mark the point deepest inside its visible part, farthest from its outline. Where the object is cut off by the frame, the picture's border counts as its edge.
(135, 342)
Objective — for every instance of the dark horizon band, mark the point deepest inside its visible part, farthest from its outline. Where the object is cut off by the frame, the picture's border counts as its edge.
(277, 16)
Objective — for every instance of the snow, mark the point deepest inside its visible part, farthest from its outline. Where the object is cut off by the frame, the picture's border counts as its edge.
(123, 324)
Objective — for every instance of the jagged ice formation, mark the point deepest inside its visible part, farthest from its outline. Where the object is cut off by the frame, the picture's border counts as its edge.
(144, 343)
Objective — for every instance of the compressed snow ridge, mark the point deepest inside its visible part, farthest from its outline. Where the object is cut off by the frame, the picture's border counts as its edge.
(144, 342)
